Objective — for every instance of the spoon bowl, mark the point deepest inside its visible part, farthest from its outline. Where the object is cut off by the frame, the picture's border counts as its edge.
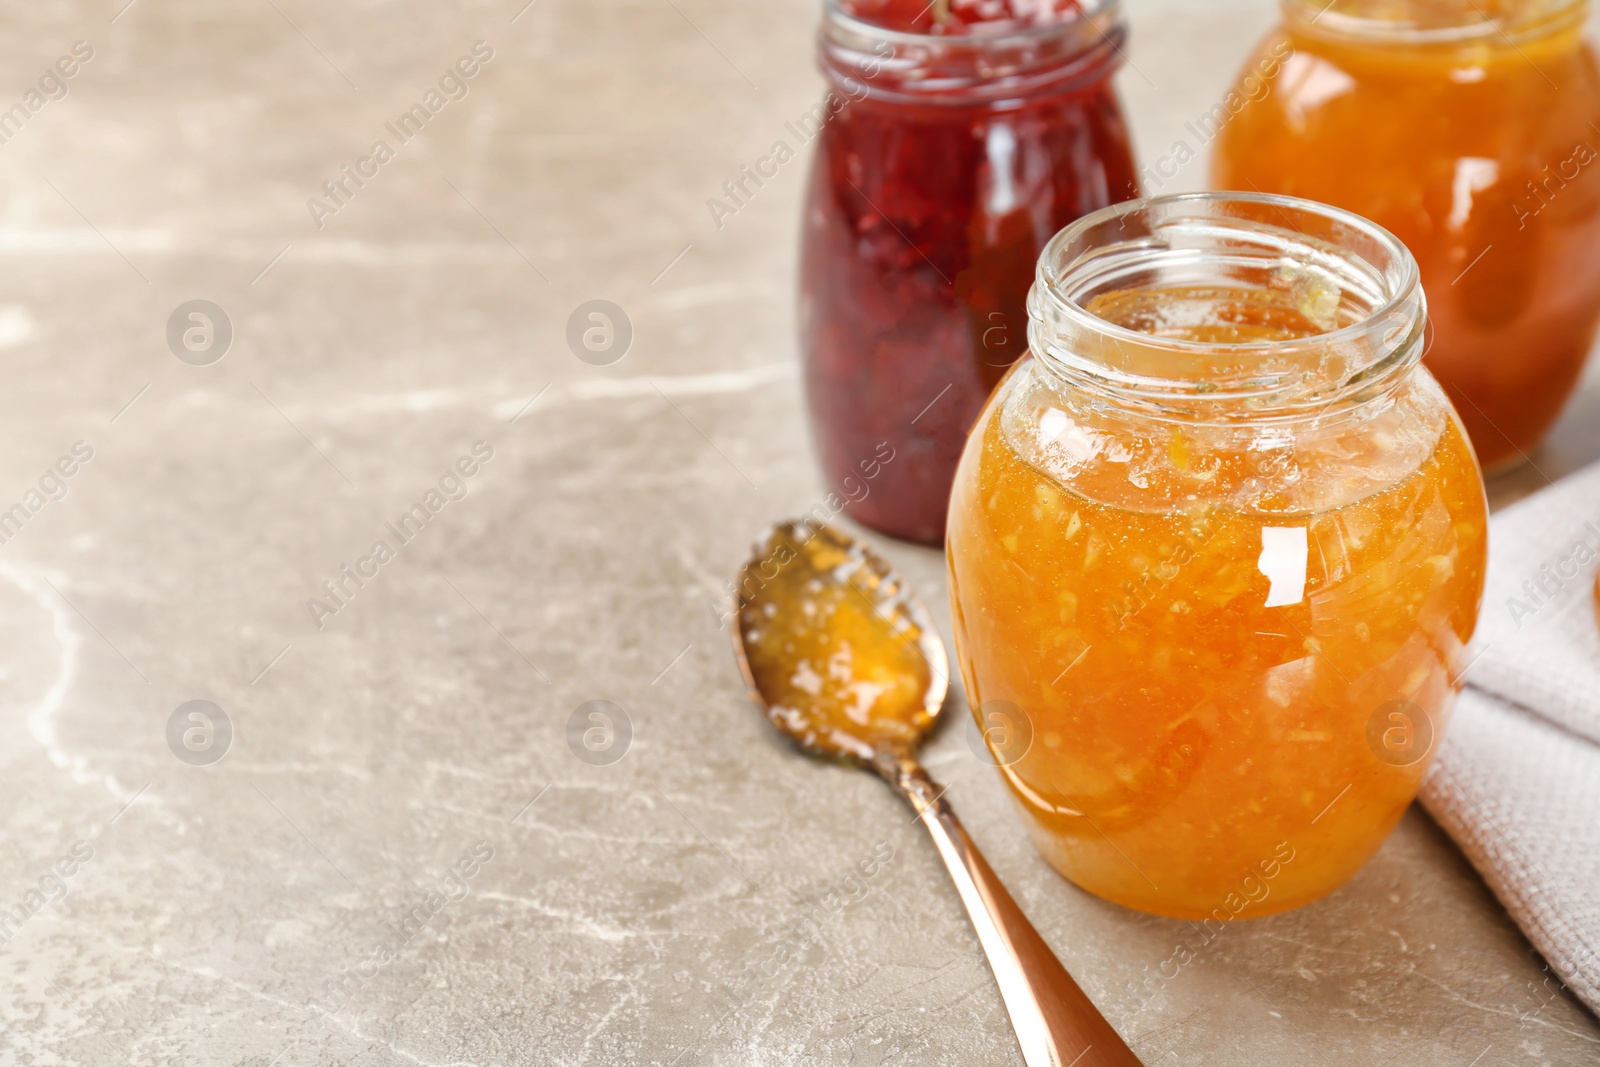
(842, 657)
(835, 647)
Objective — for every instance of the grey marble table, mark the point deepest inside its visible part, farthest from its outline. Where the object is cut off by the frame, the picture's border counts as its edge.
(399, 859)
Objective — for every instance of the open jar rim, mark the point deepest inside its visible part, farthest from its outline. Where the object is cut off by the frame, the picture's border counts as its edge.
(983, 34)
(988, 65)
(1419, 24)
(1344, 272)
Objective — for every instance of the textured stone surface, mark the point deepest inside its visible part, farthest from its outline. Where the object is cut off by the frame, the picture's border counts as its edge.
(631, 913)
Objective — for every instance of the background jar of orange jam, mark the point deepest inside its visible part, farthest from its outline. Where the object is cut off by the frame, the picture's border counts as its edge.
(1215, 549)
(1471, 130)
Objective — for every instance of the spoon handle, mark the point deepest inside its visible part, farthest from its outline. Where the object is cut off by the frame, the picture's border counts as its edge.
(1056, 1024)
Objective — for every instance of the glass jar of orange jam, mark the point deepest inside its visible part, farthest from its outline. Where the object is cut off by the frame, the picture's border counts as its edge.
(1471, 130)
(1215, 548)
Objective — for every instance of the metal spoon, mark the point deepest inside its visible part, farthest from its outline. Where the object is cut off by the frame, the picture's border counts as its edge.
(842, 657)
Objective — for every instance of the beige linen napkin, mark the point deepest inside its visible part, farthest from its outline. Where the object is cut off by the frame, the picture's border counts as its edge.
(1516, 782)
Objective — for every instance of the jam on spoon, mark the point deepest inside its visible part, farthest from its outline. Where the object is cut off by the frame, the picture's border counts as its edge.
(836, 648)
(841, 656)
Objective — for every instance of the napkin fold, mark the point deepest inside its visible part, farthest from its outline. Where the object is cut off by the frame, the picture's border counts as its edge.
(1516, 781)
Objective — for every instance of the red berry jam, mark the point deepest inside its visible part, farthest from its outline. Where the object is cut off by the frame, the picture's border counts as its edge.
(956, 16)
(949, 160)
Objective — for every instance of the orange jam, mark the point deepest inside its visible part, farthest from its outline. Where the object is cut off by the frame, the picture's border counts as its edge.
(1235, 642)
(1597, 599)
(1471, 129)
(833, 644)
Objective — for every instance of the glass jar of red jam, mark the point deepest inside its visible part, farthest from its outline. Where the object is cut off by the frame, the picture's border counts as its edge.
(960, 144)
(1471, 130)
(1215, 551)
